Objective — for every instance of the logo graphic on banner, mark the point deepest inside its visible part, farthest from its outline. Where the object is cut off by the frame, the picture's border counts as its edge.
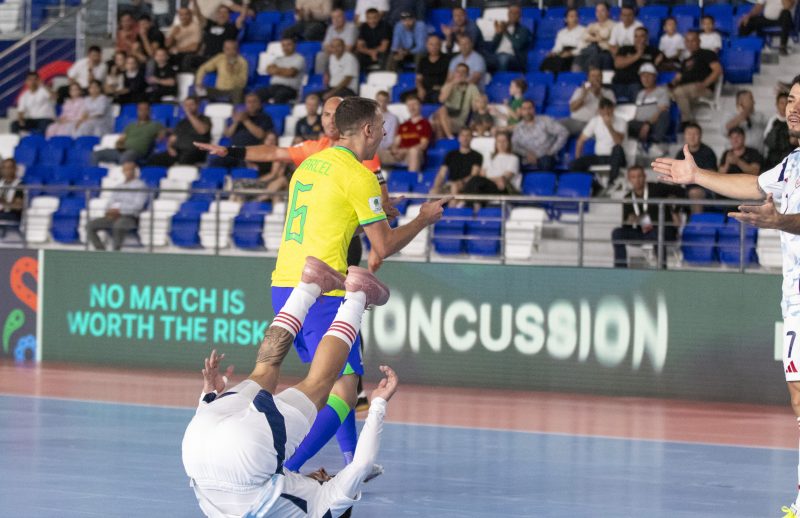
(19, 304)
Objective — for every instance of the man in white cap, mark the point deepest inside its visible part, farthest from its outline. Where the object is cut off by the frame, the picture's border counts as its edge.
(651, 122)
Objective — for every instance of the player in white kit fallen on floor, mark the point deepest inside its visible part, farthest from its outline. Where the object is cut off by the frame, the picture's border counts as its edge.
(235, 446)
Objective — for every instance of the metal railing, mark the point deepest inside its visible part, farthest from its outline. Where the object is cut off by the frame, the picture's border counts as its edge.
(569, 223)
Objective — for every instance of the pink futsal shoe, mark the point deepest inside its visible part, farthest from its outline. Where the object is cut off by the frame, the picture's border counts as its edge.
(360, 279)
(319, 273)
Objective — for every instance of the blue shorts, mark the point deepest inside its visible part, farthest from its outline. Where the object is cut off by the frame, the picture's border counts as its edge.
(319, 319)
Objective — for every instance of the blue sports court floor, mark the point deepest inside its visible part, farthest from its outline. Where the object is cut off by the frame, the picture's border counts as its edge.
(71, 458)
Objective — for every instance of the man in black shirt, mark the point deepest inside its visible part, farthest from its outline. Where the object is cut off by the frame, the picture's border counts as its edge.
(180, 146)
(777, 141)
(432, 71)
(161, 77)
(640, 218)
(459, 165)
(627, 62)
(705, 158)
(697, 77)
(11, 198)
(740, 159)
(149, 39)
(217, 31)
(374, 38)
(248, 127)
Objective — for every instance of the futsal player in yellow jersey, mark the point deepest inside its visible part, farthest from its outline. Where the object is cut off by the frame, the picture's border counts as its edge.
(331, 195)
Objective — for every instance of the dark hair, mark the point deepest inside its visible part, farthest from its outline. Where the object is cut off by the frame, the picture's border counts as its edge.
(707, 16)
(353, 113)
(741, 93)
(693, 31)
(667, 19)
(463, 65)
(605, 102)
(526, 100)
(795, 81)
(194, 98)
(634, 167)
(604, 4)
(693, 125)
(383, 93)
(372, 10)
(10, 159)
(781, 94)
(570, 9)
(98, 83)
(411, 97)
(642, 28)
(93, 48)
(522, 83)
(145, 16)
(736, 129)
(32, 73)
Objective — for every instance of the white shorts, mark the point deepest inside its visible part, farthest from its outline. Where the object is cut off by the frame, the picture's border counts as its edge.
(791, 348)
(234, 444)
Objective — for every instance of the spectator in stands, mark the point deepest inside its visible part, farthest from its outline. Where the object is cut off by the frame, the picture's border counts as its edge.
(710, 39)
(83, 71)
(209, 8)
(752, 122)
(569, 42)
(116, 69)
(609, 132)
(480, 120)
(134, 86)
(412, 141)
(538, 138)
(372, 46)
(408, 41)
(362, 7)
(231, 69)
(770, 13)
(12, 199)
(287, 73)
(697, 77)
(310, 126)
(595, 52)
(739, 158)
(195, 127)
(310, 17)
(161, 77)
(71, 112)
(585, 101)
(339, 28)
(124, 207)
(456, 97)
(432, 71)
(510, 112)
(777, 141)
(127, 31)
(671, 46)
(341, 80)
(398, 7)
(96, 119)
(390, 122)
(215, 32)
(627, 62)
(35, 107)
(468, 56)
(640, 219)
(148, 39)
(249, 127)
(511, 43)
(461, 25)
(623, 33)
(184, 40)
(704, 157)
(459, 165)
(501, 175)
(651, 121)
(136, 140)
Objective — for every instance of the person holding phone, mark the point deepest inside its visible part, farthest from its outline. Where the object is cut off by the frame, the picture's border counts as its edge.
(585, 101)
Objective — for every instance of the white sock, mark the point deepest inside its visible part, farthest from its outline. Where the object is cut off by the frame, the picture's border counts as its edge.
(348, 319)
(294, 311)
(797, 501)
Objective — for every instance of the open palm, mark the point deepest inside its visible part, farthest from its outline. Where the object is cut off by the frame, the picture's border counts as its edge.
(672, 170)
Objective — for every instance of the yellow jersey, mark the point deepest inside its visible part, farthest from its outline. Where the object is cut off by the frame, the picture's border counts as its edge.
(330, 195)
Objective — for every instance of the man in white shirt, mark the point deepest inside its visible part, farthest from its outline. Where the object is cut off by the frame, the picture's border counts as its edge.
(609, 133)
(585, 101)
(651, 121)
(770, 13)
(624, 31)
(341, 80)
(124, 207)
(36, 107)
(339, 28)
(286, 73)
(84, 71)
(390, 122)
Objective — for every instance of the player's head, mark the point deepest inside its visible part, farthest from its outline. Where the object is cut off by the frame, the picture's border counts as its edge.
(360, 120)
(793, 108)
(327, 119)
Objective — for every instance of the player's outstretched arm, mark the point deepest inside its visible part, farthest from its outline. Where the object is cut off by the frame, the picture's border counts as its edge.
(685, 172)
(387, 241)
(260, 153)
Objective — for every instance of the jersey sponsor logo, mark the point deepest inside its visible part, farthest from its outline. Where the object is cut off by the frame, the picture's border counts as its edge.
(375, 204)
(791, 369)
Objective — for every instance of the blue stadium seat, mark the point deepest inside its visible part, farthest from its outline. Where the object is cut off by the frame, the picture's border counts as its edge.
(687, 9)
(64, 226)
(128, 110)
(572, 185)
(665, 78)
(723, 17)
(406, 81)
(487, 225)
(438, 17)
(556, 12)
(738, 66)
(450, 144)
(261, 28)
(549, 27)
(215, 175)
(699, 238)
(313, 85)
(497, 91)
(586, 15)
(449, 232)
(87, 182)
(278, 113)
(537, 93)
(62, 142)
(751, 43)
(401, 181)
(26, 155)
(122, 121)
(537, 54)
(686, 21)
(544, 78)
(532, 12)
(163, 113)
(653, 24)
(186, 223)
(80, 153)
(428, 109)
(243, 173)
(654, 11)
(210, 80)
(309, 50)
(248, 225)
(561, 92)
(152, 175)
(729, 246)
(51, 156)
(204, 185)
(435, 158)
(539, 184)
